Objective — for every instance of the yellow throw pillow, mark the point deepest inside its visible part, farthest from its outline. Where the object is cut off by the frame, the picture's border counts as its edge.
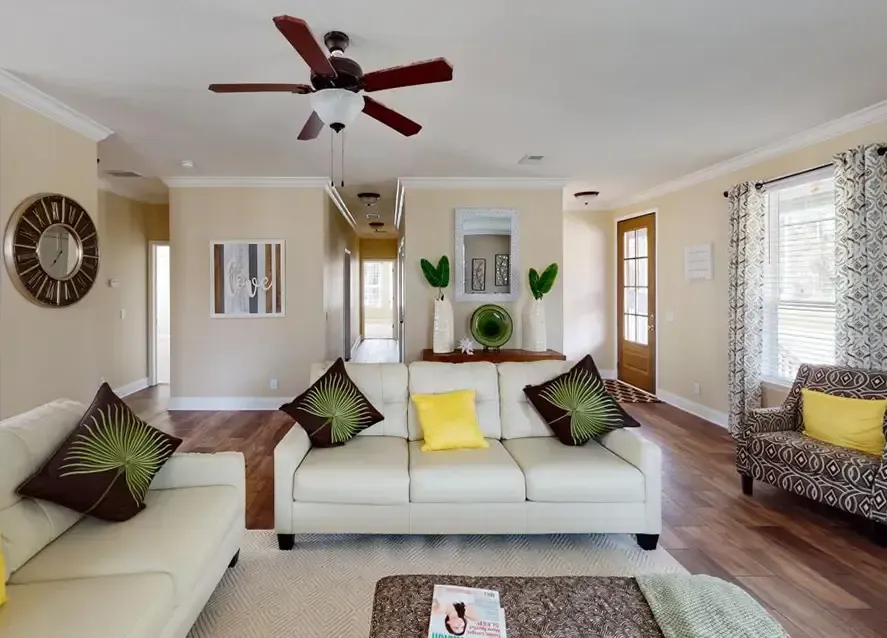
(857, 424)
(449, 421)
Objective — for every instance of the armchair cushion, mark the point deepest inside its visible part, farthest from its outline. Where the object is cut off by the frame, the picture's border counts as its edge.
(834, 475)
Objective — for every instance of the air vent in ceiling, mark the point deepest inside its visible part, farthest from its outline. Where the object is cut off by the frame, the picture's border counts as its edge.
(531, 159)
(113, 173)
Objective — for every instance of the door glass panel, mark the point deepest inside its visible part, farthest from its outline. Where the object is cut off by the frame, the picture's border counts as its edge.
(641, 330)
(630, 244)
(630, 302)
(630, 328)
(629, 273)
(641, 300)
(641, 242)
(642, 271)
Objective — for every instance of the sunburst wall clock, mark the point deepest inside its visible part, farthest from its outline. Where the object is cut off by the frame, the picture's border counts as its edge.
(52, 250)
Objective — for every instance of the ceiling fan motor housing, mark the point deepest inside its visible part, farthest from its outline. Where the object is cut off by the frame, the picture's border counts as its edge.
(349, 76)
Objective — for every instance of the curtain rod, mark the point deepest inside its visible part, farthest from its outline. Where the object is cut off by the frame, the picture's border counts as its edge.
(760, 185)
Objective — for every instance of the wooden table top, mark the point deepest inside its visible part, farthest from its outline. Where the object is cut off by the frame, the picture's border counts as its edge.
(500, 356)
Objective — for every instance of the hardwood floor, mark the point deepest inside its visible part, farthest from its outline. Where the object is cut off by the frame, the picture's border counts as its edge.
(810, 565)
(376, 351)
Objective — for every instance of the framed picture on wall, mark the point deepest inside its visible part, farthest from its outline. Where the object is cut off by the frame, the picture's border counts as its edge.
(501, 270)
(247, 278)
(478, 275)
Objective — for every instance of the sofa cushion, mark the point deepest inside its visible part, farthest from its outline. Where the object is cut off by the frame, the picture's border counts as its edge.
(809, 460)
(465, 476)
(519, 417)
(428, 377)
(589, 473)
(370, 470)
(332, 410)
(577, 406)
(448, 421)
(26, 441)
(105, 466)
(384, 385)
(178, 534)
(133, 606)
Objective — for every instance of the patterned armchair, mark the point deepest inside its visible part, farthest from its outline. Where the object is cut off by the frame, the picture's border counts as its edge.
(771, 448)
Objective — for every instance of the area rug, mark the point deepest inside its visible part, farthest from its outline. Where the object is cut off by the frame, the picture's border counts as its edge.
(324, 587)
(625, 393)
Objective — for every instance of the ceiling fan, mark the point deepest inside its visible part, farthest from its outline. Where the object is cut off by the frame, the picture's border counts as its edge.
(337, 82)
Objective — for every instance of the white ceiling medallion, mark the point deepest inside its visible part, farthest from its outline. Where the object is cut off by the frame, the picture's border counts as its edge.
(246, 182)
(23, 93)
(504, 183)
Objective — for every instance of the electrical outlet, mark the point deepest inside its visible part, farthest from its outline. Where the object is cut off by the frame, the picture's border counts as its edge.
(272, 384)
(696, 388)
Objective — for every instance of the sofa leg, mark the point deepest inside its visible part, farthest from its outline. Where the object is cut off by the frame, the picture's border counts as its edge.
(879, 533)
(286, 541)
(234, 560)
(747, 484)
(648, 541)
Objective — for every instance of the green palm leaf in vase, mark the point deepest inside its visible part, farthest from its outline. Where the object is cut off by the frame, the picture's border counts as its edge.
(118, 441)
(335, 399)
(585, 401)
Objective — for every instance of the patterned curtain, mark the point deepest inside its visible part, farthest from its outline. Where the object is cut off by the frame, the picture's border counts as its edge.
(748, 243)
(861, 258)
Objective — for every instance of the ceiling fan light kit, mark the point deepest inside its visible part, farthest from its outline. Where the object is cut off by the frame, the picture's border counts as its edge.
(586, 197)
(368, 199)
(337, 108)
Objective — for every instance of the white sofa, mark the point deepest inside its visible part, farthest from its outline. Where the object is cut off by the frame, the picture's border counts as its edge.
(527, 482)
(73, 576)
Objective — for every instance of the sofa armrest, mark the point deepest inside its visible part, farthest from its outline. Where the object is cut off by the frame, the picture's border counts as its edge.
(776, 419)
(288, 455)
(646, 456)
(204, 470)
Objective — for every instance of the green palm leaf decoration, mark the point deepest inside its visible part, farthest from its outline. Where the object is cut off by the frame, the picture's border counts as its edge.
(585, 401)
(118, 441)
(335, 399)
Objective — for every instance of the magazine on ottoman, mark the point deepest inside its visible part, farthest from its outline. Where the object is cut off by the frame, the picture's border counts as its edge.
(467, 612)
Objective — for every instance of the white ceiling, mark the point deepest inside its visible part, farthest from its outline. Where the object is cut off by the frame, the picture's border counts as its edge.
(618, 96)
(384, 208)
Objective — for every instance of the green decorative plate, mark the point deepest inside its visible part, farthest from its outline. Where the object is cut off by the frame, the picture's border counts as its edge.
(491, 326)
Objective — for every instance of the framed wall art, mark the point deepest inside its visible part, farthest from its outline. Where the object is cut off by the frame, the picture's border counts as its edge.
(478, 275)
(501, 270)
(247, 278)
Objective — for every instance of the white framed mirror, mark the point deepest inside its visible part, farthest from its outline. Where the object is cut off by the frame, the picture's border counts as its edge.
(486, 255)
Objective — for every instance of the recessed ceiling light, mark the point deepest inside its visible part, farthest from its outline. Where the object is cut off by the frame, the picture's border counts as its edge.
(586, 197)
(370, 199)
(187, 164)
(373, 215)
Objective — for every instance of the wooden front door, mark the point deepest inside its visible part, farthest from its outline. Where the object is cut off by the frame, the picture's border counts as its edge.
(636, 301)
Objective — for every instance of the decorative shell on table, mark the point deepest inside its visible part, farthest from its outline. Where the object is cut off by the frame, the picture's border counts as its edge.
(466, 345)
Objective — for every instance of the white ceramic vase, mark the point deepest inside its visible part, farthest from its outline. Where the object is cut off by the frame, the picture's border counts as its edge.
(443, 338)
(534, 333)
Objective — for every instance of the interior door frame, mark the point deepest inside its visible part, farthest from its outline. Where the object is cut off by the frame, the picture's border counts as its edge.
(616, 291)
(152, 309)
(347, 345)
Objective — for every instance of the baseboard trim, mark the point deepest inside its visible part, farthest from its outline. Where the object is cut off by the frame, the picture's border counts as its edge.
(608, 374)
(225, 403)
(131, 388)
(702, 411)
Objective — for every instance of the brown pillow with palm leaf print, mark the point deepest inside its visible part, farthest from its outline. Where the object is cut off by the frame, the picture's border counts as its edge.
(333, 410)
(576, 405)
(105, 466)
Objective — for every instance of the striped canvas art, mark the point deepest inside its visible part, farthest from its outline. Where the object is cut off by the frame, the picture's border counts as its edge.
(247, 278)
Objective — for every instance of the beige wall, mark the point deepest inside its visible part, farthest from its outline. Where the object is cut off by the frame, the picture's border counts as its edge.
(588, 275)
(238, 357)
(128, 227)
(429, 232)
(339, 237)
(47, 353)
(693, 346)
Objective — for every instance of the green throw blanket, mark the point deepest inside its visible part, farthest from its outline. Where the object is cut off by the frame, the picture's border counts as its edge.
(705, 607)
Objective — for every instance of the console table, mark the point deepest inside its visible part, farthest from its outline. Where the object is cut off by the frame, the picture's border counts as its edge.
(501, 356)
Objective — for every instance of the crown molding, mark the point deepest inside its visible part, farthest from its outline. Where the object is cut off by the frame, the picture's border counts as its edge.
(398, 204)
(23, 93)
(824, 132)
(341, 205)
(131, 193)
(246, 182)
(503, 183)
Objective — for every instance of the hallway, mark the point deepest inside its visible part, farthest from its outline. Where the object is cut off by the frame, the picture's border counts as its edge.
(376, 351)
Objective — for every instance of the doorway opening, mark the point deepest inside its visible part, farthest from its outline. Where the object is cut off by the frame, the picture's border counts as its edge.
(636, 301)
(159, 324)
(378, 299)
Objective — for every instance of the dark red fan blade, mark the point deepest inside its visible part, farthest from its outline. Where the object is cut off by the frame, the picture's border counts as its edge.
(302, 89)
(312, 127)
(428, 72)
(298, 34)
(395, 120)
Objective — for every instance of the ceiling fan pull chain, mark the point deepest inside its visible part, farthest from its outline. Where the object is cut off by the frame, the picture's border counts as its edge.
(343, 159)
(332, 177)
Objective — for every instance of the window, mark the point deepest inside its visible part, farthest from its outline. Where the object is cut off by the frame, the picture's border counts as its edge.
(372, 284)
(799, 277)
(635, 311)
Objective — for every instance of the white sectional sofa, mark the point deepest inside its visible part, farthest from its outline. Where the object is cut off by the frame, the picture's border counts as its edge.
(149, 577)
(527, 482)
